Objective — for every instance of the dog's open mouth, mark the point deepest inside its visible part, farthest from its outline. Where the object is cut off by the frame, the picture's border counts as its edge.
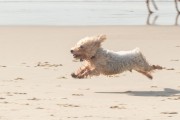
(77, 56)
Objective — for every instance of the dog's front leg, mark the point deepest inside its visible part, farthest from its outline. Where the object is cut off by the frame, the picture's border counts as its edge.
(89, 72)
(79, 72)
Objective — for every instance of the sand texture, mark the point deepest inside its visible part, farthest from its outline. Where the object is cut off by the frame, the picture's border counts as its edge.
(35, 81)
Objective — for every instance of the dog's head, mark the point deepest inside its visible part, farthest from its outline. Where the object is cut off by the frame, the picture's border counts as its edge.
(87, 47)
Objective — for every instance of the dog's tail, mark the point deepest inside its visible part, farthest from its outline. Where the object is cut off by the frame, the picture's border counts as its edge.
(158, 67)
(152, 67)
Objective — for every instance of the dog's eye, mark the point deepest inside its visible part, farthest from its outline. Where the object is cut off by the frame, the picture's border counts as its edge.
(81, 47)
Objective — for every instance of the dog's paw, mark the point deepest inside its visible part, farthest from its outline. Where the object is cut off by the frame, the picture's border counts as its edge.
(74, 75)
(78, 76)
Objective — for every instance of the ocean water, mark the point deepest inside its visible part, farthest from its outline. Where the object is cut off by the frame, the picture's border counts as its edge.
(86, 12)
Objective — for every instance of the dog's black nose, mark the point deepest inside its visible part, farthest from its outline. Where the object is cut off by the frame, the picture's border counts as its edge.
(71, 51)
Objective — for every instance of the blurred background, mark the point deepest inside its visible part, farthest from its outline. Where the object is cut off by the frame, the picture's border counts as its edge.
(86, 12)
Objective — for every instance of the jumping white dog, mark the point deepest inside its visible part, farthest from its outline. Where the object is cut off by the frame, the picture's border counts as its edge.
(98, 60)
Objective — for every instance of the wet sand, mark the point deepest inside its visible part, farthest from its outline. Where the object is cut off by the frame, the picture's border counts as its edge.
(86, 12)
(36, 84)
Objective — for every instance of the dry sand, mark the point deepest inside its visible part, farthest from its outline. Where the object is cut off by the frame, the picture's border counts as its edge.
(35, 81)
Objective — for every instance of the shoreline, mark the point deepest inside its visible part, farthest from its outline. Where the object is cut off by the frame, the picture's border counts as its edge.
(89, 13)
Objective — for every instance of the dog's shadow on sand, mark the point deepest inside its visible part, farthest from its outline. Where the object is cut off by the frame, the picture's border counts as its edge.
(165, 93)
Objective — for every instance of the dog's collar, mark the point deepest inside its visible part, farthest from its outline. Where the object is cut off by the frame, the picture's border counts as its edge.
(93, 57)
(81, 59)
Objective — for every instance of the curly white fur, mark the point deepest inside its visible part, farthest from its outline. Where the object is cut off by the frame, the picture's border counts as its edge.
(101, 61)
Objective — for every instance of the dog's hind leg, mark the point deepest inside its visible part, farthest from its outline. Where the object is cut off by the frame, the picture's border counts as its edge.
(145, 73)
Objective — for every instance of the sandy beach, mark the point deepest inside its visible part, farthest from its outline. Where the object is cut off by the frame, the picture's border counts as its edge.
(35, 79)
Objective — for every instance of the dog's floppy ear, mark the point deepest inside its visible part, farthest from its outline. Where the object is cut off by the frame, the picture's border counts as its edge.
(101, 38)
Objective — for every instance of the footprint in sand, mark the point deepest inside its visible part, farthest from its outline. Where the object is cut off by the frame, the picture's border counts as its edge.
(72, 117)
(63, 77)
(84, 89)
(25, 104)
(68, 105)
(3, 66)
(34, 99)
(39, 108)
(169, 112)
(174, 60)
(65, 98)
(154, 86)
(20, 93)
(77, 95)
(2, 98)
(88, 116)
(47, 64)
(120, 106)
(5, 102)
(19, 78)
(23, 63)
